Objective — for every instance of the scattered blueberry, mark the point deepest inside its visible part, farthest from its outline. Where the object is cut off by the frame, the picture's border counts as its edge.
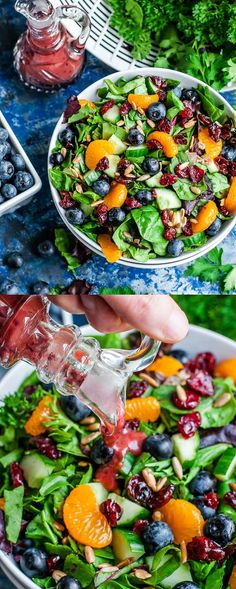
(6, 171)
(9, 287)
(144, 196)
(40, 287)
(18, 162)
(23, 181)
(135, 137)
(203, 483)
(33, 563)
(178, 91)
(4, 150)
(9, 191)
(74, 408)
(175, 248)
(160, 446)
(180, 355)
(151, 165)
(206, 511)
(156, 111)
(68, 583)
(3, 135)
(186, 585)
(75, 216)
(156, 536)
(46, 248)
(220, 529)
(214, 227)
(56, 158)
(101, 187)
(229, 152)
(66, 137)
(189, 94)
(116, 216)
(100, 453)
(14, 260)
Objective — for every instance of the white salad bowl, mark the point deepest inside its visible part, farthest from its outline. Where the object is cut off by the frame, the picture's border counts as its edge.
(197, 340)
(90, 93)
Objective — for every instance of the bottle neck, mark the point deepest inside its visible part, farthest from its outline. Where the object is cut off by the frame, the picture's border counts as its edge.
(45, 38)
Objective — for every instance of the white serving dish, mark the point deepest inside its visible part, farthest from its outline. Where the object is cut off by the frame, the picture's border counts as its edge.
(197, 340)
(160, 262)
(24, 197)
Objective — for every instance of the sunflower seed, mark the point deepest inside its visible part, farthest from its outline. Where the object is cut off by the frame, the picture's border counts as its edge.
(120, 123)
(57, 575)
(125, 562)
(195, 190)
(161, 484)
(190, 123)
(156, 516)
(149, 478)
(181, 393)
(183, 550)
(88, 420)
(89, 554)
(151, 123)
(95, 204)
(63, 151)
(58, 526)
(90, 438)
(222, 400)
(142, 574)
(149, 379)
(143, 178)
(94, 427)
(78, 188)
(83, 463)
(177, 467)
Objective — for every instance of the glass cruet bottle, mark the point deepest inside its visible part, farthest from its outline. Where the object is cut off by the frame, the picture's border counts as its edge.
(62, 355)
(51, 51)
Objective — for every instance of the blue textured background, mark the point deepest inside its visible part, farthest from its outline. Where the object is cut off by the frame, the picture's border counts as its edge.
(33, 117)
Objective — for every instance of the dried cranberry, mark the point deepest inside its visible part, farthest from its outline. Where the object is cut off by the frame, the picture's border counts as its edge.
(204, 119)
(52, 562)
(112, 511)
(16, 474)
(72, 107)
(67, 201)
(139, 526)
(180, 139)
(192, 400)
(189, 424)
(187, 228)
(100, 213)
(201, 548)
(123, 180)
(165, 126)
(165, 217)
(222, 165)
(47, 447)
(105, 107)
(167, 179)
(186, 114)
(77, 287)
(123, 165)
(201, 382)
(132, 424)
(224, 211)
(125, 108)
(230, 498)
(153, 144)
(182, 172)
(136, 388)
(163, 496)
(214, 131)
(160, 83)
(132, 203)
(196, 174)
(232, 168)
(5, 546)
(139, 492)
(211, 499)
(29, 390)
(169, 233)
(205, 361)
(103, 164)
(81, 252)
(226, 131)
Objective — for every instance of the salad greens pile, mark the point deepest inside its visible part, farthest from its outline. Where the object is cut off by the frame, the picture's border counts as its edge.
(197, 37)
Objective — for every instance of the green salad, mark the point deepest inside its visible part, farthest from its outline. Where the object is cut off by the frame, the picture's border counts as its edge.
(77, 512)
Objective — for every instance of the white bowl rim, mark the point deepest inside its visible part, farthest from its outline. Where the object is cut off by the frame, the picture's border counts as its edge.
(160, 262)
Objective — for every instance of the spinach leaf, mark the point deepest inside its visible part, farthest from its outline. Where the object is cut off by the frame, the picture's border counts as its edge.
(13, 456)
(182, 189)
(214, 416)
(87, 476)
(82, 113)
(160, 246)
(149, 223)
(200, 570)
(52, 483)
(219, 183)
(57, 549)
(75, 567)
(213, 110)
(40, 528)
(13, 510)
(118, 236)
(47, 583)
(141, 255)
(215, 578)
(64, 244)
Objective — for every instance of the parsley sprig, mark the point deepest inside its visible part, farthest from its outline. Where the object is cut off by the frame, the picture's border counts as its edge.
(211, 269)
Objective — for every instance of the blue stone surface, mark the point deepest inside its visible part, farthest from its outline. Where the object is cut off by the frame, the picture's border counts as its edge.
(33, 117)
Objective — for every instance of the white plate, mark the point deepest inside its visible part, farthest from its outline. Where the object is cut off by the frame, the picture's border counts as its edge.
(161, 262)
(197, 340)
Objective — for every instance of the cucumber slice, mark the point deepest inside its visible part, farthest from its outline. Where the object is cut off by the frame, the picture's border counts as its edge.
(141, 89)
(126, 544)
(167, 199)
(186, 450)
(181, 574)
(113, 163)
(130, 511)
(136, 151)
(99, 491)
(121, 133)
(120, 147)
(226, 465)
(107, 130)
(151, 88)
(112, 115)
(36, 468)
(91, 176)
(154, 181)
(127, 464)
(212, 167)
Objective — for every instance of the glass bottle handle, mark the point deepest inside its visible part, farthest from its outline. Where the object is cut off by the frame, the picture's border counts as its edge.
(77, 22)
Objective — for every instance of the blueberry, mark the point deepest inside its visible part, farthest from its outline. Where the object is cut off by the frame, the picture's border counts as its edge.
(135, 137)
(206, 511)
(101, 187)
(66, 137)
(68, 583)
(18, 162)
(23, 181)
(74, 408)
(75, 216)
(40, 287)
(144, 196)
(214, 227)
(156, 536)
(151, 165)
(180, 355)
(56, 158)
(6, 170)
(220, 529)
(177, 91)
(175, 248)
(116, 216)
(33, 563)
(186, 585)
(9, 287)
(14, 260)
(3, 135)
(229, 152)
(4, 150)
(9, 191)
(160, 446)
(100, 453)
(19, 549)
(156, 111)
(46, 248)
(189, 94)
(203, 483)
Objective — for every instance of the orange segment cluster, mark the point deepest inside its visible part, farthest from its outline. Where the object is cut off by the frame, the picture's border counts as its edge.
(84, 520)
(212, 148)
(116, 196)
(96, 150)
(170, 148)
(230, 201)
(184, 518)
(142, 100)
(166, 365)
(36, 422)
(109, 248)
(226, 368)
(144, 408)
(205, 217)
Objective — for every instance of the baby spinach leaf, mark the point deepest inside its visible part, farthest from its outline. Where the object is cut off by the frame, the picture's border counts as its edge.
(182, 189)
(118, 236)
(52, 483)
(215, 578)
(64, 244)
(212, 109)
(13, 510)
(57, 549)
(75, 567)
(82, 113)
(87, 476)
(13, 456)
(149, 223)
(219, 183)
(200, 570)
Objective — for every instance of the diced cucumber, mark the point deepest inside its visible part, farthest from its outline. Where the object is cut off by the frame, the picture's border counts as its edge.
(127, 463)
(91, 176)
(126, 544)
(154, 181)
(141, 89)
(87, 209)
(121, 133)
(167, 199)
(151, 88)
(36, 468)
(181, 574)
(112, 115)
(186, 450)
(227, 510)
(226, 465)
(212, 167)
(99, 491)
(113, 163)
(130, 511)
(136, 151)
(119, 146)
(107, 130)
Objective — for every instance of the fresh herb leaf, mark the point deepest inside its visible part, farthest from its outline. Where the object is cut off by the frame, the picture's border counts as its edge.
(64, 244)
(13, 510)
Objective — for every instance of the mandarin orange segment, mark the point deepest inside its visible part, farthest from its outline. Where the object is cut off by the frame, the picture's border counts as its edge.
(166, 365)
(184, 518)
(2, 503)
(84, 520)
(96, 150)
(170, 148)
(144, 408)
(226, 368)
(109, 248)
(205, 217)
(116, 196)
(212, 148)
(230, 201)
(83, 102)
(232, 581)
(142, 100)
(36, 422)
